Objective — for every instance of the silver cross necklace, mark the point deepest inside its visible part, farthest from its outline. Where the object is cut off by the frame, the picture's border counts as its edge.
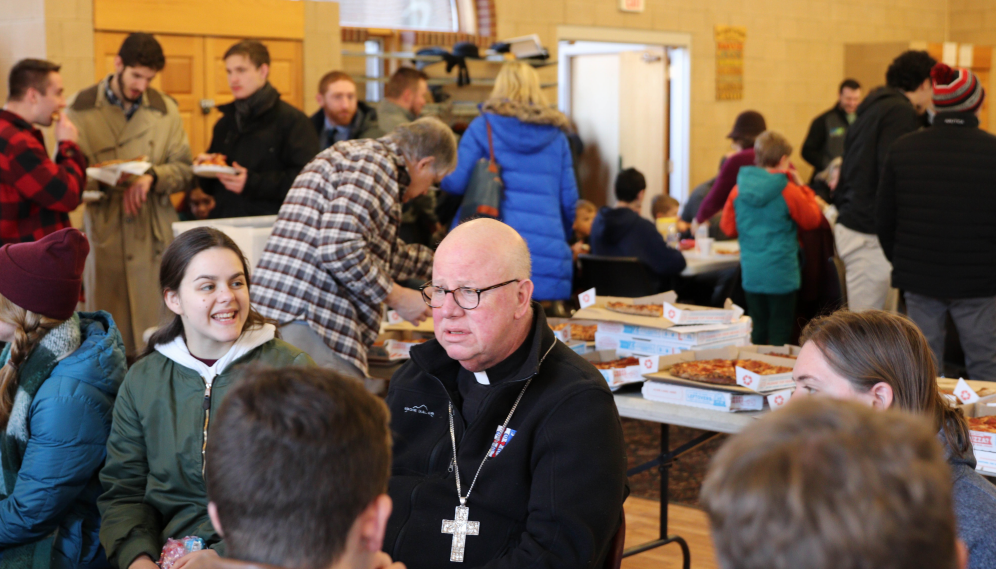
(461, 526)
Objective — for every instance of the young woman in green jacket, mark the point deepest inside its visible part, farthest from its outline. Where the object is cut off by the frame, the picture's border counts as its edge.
(153, 479)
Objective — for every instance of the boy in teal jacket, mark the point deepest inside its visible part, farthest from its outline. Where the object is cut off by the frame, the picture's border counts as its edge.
(766, 208)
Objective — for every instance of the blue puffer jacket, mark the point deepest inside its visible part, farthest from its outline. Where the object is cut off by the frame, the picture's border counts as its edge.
(540, 190)
(69, 420)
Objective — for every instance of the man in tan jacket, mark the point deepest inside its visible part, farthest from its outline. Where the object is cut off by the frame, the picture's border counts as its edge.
(129, 227)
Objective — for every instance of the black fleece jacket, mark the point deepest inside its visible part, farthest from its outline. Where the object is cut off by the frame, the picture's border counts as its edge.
(937, 209)
(552, 498)
(274, 145)
(884, 115)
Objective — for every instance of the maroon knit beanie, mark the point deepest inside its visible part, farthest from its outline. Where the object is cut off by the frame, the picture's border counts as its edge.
(45, 276)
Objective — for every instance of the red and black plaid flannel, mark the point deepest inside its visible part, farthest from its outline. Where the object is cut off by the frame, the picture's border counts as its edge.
(36, 194)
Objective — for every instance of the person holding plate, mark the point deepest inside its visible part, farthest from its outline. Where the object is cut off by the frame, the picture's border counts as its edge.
(122, 118)
(264, 139)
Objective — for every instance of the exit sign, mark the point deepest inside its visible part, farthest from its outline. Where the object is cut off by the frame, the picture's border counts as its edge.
(632, 5)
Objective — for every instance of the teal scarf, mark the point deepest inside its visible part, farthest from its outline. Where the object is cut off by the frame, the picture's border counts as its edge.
(54, 347)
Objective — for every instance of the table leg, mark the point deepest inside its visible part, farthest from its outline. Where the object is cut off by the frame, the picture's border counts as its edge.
(663, 463)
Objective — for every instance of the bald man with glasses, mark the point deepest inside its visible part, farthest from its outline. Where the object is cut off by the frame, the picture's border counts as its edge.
(538, 478)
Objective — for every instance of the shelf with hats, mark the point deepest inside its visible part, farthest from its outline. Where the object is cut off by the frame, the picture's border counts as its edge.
(429, 59)
(441, 81)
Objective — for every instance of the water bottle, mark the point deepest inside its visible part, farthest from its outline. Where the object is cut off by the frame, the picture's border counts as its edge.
(702, 232)
(673, 237)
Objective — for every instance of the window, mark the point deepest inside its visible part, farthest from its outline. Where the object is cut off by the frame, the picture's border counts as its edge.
(433, 15)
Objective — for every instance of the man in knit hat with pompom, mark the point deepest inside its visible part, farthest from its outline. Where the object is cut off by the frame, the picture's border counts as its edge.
(936, 220)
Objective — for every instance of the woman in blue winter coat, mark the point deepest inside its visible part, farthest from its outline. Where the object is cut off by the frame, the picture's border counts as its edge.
(537, 170)
(59, 375)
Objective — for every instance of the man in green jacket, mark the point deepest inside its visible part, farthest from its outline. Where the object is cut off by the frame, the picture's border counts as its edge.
(406, 93)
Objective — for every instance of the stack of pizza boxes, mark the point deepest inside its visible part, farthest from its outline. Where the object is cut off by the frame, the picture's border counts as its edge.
(983, 437)
(674, 328)
(396, 339)
(750, 392)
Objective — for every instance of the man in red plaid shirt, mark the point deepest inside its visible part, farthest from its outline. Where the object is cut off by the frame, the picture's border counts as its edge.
(37, 194)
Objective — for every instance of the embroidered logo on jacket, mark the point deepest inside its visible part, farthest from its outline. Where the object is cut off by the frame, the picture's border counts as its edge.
(421, 410)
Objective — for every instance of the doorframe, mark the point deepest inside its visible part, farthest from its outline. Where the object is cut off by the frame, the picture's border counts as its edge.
(678, 47)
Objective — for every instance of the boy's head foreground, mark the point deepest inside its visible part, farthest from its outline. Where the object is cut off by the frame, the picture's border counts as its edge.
(297, 470)
(830, 484)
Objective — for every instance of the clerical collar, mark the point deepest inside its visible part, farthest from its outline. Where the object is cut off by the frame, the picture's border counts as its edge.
(508, 367)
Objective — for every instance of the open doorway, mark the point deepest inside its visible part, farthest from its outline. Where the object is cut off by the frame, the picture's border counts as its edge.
(629, 102)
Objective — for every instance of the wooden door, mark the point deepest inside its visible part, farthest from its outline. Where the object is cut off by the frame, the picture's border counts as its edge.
(643, 117)
(286, 73)
(595, 111)
(183, 79)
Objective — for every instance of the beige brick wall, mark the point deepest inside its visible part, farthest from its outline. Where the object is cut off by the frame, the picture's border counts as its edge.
(973, 21)
(794, 54)
(22, 35)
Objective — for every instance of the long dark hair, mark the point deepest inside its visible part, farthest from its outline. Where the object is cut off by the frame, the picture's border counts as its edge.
(874, 346)
(174, 265)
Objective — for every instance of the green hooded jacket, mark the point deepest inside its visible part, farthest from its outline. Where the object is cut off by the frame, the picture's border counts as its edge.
(153, 486)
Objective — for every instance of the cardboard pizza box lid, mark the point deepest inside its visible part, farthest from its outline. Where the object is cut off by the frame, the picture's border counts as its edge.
(598, 310)
(727, 353)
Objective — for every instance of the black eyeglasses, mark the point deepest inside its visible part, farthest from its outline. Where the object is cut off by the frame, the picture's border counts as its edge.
(466, 298)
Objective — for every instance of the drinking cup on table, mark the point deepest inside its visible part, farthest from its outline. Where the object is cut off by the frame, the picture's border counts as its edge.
(704, 245)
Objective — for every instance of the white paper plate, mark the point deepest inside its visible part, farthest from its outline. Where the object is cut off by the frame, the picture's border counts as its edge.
(90, 196)
(111, 174)
(212, 171)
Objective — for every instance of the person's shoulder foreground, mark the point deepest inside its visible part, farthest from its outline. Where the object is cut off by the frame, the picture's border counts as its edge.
(974, 500)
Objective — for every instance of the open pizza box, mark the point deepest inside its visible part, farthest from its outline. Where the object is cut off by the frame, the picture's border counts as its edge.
(594, 307)
(747, 382)
(395, 340)
(392, 347)
(984, 407)
(565, 325)
(113, 173)
(983, 442)
(618, 377)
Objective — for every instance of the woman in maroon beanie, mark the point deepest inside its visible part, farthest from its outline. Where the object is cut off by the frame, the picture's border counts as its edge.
(59, 376)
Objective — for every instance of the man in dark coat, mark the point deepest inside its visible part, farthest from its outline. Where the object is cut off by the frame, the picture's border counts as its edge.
(886, 114)
(937, 222)
(825, 140)
(540, 465)
(265, 139)
(342, 116)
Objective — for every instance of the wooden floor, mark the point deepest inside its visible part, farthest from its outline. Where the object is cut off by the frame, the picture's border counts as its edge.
(689, 523)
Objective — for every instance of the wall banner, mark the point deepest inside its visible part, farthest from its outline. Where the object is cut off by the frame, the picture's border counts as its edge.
(730, 62)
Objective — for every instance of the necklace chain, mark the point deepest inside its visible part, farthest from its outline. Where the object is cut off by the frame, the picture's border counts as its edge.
(500, 436)
(456, 465)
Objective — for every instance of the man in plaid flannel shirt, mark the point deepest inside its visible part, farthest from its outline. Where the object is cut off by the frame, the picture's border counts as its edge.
(36, 194)
(334, 258)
